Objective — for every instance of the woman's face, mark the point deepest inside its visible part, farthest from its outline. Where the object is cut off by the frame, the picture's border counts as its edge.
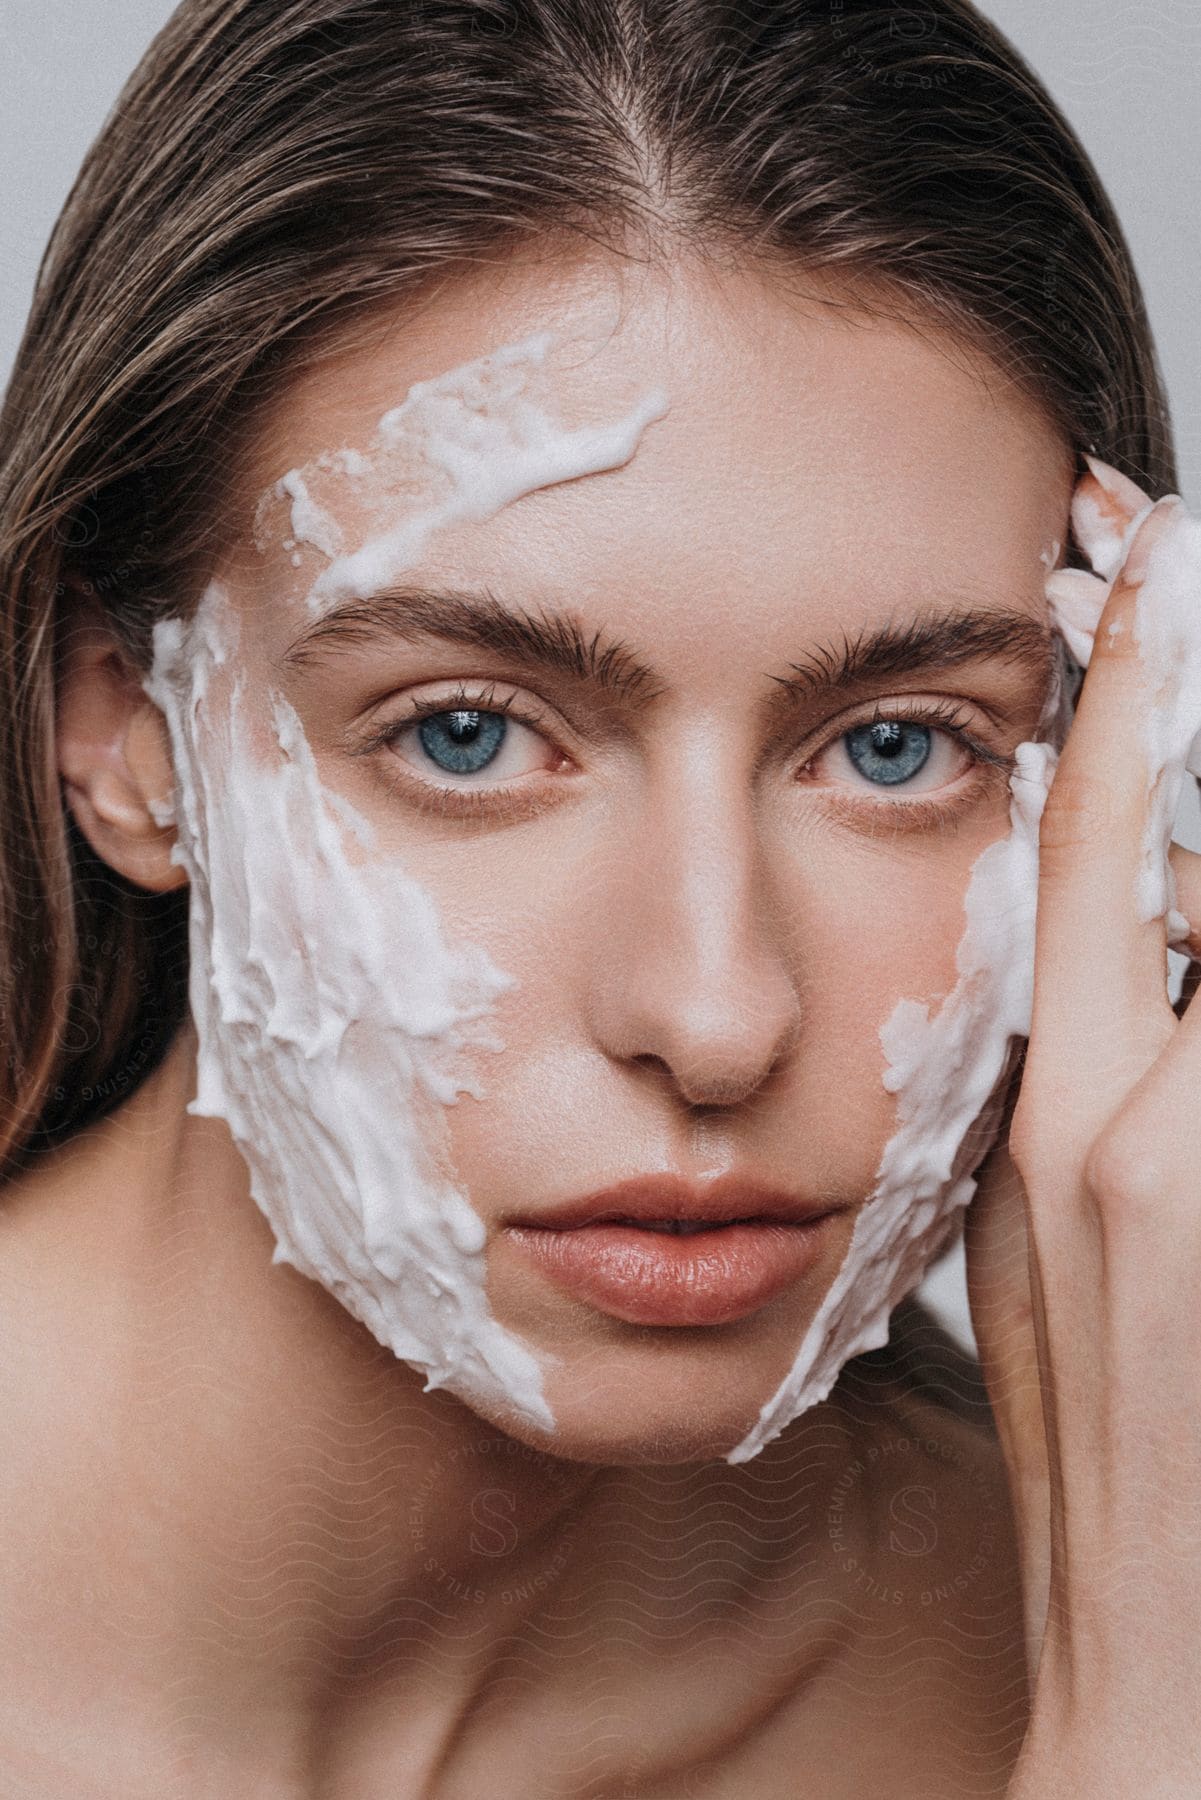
(709, 896)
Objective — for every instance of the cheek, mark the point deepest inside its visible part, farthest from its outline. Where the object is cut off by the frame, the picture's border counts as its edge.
(518, 903)
(866, 924)
(883, 928)
(874, 926)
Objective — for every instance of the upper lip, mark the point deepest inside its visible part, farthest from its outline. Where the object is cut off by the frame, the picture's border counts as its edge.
(646, 1198)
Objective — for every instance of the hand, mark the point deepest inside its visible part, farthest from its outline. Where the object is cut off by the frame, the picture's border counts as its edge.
(1084, 1240)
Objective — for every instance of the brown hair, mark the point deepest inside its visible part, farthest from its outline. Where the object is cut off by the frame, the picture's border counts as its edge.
(275, 167)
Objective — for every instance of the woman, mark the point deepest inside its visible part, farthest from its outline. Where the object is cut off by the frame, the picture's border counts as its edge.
(525, 539)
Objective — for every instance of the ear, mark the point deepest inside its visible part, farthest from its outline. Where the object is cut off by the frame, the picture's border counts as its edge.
(113, 751)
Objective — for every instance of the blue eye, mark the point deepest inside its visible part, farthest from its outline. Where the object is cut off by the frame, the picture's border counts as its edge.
(889, 751)
(462, 741)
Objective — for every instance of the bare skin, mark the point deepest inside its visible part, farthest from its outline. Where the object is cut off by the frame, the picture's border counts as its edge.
(277, 1566)
(279, 1570)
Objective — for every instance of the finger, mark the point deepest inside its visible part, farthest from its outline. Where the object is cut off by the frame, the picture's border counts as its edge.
(1105, 507)
(1100, 1004)
(1077, 600)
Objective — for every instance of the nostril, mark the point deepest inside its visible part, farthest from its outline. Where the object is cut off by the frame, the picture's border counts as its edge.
(709, 1094)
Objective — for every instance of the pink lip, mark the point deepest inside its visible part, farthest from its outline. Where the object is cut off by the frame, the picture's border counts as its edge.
(652, 1278)
(760, 1241)
(654, 1197)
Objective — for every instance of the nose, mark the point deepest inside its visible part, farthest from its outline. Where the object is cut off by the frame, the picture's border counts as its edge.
(690, 964)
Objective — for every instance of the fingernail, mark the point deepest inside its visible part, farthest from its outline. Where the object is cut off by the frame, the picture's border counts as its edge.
(1146, 535)
(1118, 486)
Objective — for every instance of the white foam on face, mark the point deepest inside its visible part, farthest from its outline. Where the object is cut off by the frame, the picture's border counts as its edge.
(945, 1070)
(483, 432)
(311, 524)
(335, 1019)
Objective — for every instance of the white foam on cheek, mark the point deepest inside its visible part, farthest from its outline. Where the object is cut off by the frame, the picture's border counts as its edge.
(944, 1070)
(487, 440)
(334, 1020)
(947, 1072)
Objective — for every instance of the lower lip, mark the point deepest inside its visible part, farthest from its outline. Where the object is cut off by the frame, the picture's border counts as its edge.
(663, 1278)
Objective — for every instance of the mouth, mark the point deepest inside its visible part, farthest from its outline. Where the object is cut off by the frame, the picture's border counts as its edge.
(677, 1206)
(672, 1253)
(677, 1227)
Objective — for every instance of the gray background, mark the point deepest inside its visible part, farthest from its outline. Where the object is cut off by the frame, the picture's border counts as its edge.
(1127, 76)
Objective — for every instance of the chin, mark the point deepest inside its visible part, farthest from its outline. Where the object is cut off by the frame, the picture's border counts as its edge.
(612, 1442)
(678, 1396)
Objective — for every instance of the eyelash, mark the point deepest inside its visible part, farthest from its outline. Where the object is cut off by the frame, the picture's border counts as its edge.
(501, 800)
(493, 803)
(988, 769)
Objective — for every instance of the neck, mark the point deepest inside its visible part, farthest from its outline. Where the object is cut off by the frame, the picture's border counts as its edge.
(279, 1524)
(256, 1463)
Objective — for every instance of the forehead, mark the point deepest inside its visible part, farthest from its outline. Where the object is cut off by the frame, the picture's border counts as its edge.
(810, 448)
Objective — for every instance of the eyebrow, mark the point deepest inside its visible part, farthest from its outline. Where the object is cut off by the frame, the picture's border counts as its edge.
(545, 639)
(556, 642)
(927, 641)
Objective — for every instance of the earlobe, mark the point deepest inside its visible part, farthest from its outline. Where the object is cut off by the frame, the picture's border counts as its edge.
(113, 755)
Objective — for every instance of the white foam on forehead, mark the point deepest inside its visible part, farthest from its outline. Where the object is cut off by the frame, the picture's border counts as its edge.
(486, 435)
(311, 523)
